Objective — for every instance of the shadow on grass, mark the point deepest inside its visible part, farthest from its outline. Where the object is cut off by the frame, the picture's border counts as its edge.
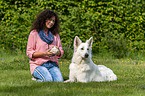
(65, 78)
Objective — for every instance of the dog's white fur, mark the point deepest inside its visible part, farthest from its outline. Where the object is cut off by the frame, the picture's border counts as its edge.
(82, 68)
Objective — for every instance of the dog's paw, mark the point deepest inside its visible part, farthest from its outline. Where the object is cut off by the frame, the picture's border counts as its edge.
(66, 81)
(85, 68)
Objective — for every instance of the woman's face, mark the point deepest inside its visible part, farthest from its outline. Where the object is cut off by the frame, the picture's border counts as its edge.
(50, 22)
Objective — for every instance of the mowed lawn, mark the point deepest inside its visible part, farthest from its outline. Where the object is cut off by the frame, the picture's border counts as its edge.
(15, 79)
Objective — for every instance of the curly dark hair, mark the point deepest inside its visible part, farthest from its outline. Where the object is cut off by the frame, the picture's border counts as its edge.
(39, 22)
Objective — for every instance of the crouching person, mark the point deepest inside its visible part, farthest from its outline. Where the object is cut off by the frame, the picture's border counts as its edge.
(43, 37)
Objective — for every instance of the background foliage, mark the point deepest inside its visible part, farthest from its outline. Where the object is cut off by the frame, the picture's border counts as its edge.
(117, 26)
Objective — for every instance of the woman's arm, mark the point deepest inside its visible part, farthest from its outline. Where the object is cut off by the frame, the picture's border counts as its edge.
(41, 54)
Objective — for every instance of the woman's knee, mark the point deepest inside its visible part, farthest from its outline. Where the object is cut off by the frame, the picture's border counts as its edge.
(56, 74)
(48, 78)
(42, 74)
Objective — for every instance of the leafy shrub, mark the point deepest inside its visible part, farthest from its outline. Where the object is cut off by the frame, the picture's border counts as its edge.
(68, 52)
(85, 18)
(116, 44)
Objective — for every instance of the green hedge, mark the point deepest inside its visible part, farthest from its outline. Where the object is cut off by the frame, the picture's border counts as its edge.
(117, 26)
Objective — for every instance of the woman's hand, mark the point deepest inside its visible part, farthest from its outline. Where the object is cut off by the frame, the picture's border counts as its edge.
(59, 52)
(49, 53)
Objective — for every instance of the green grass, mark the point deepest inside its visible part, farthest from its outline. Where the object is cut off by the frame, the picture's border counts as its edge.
(16, 80)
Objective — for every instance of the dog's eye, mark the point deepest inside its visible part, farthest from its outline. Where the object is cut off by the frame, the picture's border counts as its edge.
(82, 48)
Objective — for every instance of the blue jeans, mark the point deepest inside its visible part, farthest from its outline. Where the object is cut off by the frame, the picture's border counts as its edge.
(48, 71)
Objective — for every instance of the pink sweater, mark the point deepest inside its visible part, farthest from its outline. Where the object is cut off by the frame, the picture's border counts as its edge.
(36, 44)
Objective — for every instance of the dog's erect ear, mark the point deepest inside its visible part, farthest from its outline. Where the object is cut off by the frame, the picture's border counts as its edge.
(90, 41)
(77, 42)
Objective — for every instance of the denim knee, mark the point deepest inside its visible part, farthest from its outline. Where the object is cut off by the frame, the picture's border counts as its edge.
(42, 74)
(56, 74)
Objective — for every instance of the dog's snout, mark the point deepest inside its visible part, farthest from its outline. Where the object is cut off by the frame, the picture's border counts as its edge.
(86, 55)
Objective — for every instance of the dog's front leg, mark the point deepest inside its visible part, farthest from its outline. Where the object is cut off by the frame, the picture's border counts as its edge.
(71, 77)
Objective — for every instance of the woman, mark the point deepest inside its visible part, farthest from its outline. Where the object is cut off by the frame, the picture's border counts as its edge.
(43, 36)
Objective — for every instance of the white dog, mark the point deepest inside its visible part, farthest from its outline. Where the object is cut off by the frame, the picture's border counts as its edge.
(82, 68)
